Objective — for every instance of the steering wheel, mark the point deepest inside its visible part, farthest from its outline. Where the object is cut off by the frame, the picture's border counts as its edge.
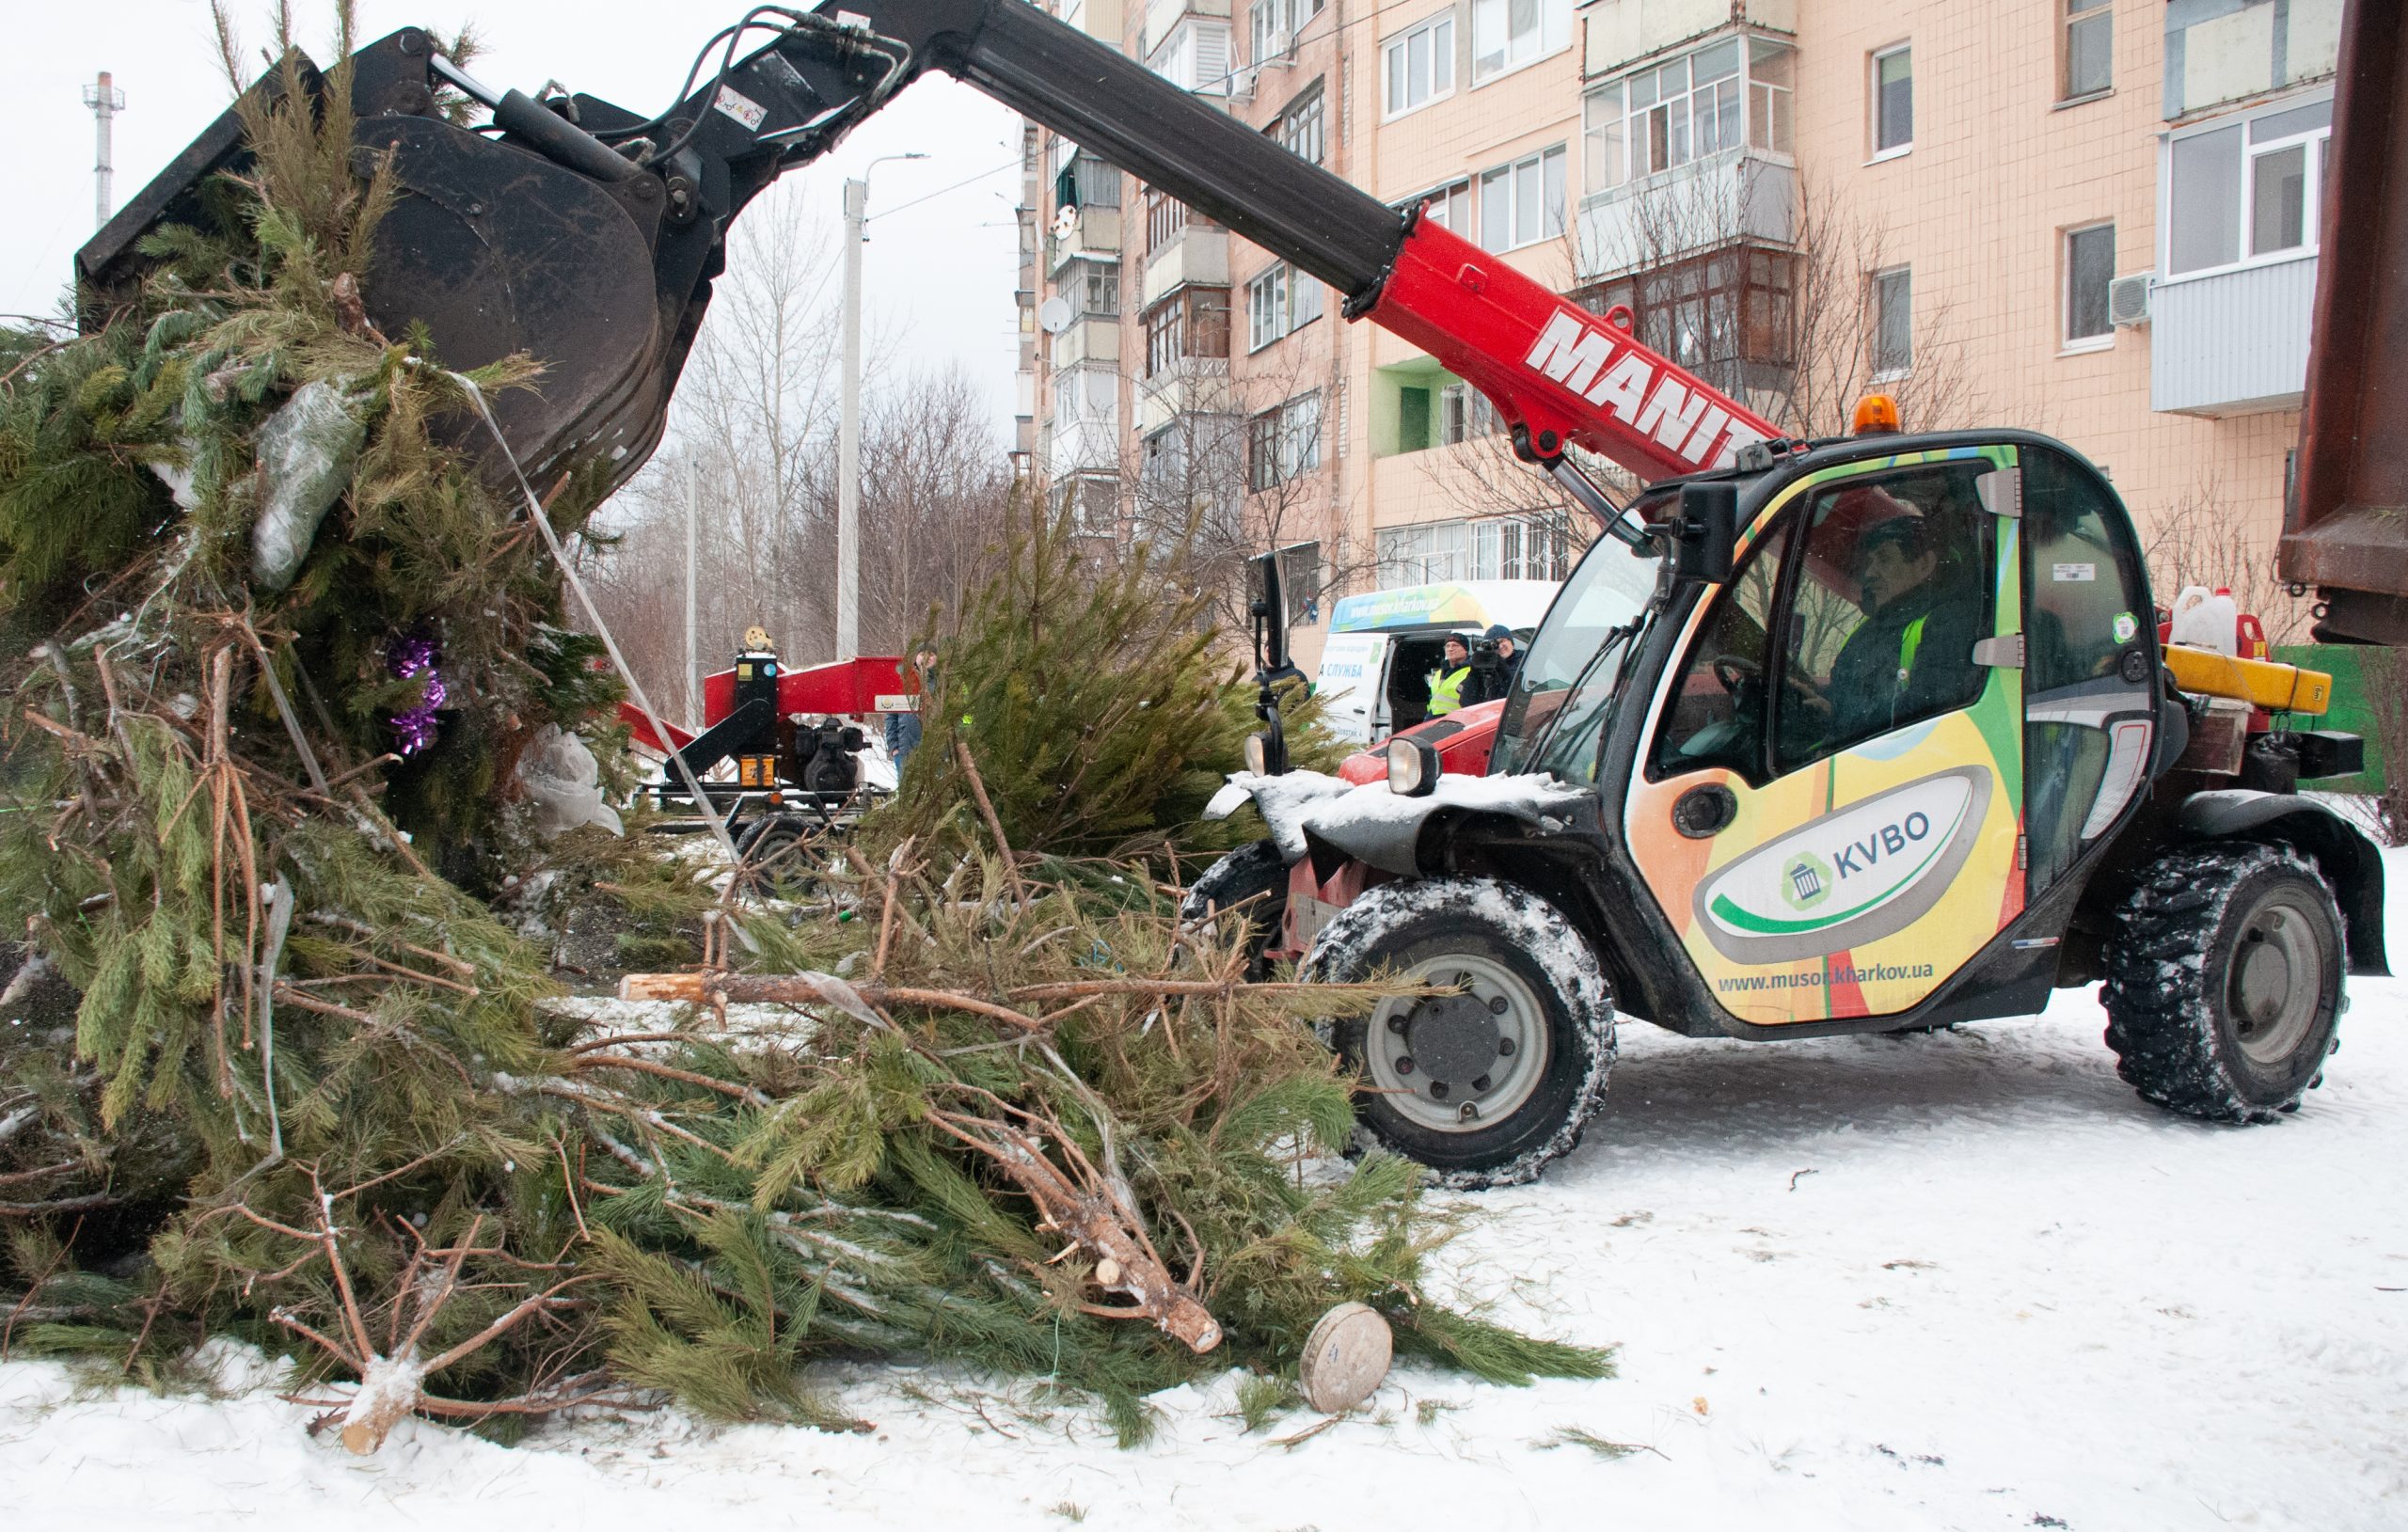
(1736, 672)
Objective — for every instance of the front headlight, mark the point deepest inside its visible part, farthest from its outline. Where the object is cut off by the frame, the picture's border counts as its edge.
(1412, 767)
(1258, 754)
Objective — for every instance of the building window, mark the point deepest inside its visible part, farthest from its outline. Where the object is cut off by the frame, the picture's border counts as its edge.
(2090, 47)
(1279, 302)
(1303, 126)
(1166, 220)
(1669, 114)
(1465, 413)
(1284, 442)
(1095, 505)
(1421, 64)
(1092, 289)
(2248, 189)
(1769, 90)
(1894, 322)
(1489, 548)
(2090, 266)
(1448, 207)
(1507, 34)
(1715, 314)
(1085, 182)
(1193, 322)
(1266, 308)
(1195, 57)
(1274, 25)
(1522, 203)
(1894, 101)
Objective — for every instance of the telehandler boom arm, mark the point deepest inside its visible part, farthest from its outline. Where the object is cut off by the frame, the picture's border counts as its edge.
(588, 237)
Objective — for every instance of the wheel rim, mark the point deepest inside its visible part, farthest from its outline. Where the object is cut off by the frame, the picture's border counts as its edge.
(1458, 1063)
(2275, 984)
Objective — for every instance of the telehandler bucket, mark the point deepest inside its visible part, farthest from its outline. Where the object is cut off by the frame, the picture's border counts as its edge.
(540, 234)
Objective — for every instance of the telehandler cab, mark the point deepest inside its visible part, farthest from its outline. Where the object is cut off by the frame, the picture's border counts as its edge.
(1725, 796)
(1728, 799)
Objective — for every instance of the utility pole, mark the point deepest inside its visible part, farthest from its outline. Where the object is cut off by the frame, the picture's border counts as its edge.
(849, 425)
(693, 657)
(849, 435)
(106, 101)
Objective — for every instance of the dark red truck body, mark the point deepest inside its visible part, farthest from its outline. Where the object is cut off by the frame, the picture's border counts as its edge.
(2346, 526)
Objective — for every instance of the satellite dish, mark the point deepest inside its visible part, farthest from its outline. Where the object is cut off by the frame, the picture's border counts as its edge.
(1066, 220)
(1054, 314)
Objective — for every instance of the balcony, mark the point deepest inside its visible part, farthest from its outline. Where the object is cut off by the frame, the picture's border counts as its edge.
(1162, 15)
(2232, 343)
(1083, 444)
(1096, 235)
(1193, 385)
(1197, 255)
(1738, 195)
(1092, 338)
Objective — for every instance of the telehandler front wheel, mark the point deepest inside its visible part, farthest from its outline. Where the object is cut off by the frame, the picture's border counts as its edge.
(1250, 884)
(2224, 982)
(1486, 1084)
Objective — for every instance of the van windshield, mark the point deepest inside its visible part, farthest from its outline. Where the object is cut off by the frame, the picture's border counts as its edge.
(1557, 710)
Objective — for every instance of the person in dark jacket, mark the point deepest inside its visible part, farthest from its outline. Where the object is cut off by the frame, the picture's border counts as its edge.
(1913, 654)
(1493, 672)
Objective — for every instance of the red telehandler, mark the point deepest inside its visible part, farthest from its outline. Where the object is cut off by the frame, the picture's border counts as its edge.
(1869, 733)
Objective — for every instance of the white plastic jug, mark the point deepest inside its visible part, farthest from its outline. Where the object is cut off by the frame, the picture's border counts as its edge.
(2205, 619)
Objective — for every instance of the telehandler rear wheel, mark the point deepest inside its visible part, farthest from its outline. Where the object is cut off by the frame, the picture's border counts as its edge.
(1489, 1082)
(2224, 984)
(1252, 882)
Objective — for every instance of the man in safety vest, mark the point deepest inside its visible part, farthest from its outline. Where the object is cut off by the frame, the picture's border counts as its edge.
(1447, 691)
(1913, 655)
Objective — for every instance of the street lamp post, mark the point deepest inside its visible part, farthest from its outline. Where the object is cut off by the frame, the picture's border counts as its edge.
(849, 430)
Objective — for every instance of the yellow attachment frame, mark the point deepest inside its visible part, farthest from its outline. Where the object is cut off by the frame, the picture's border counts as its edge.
(2261, 683)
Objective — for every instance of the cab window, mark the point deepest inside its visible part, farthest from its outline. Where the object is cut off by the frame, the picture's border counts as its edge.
(1717, 713)
(1891, 594)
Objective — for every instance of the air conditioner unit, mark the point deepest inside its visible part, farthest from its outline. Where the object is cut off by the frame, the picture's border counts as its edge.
(1282, 48)
(2128, 298)
(1241, 81)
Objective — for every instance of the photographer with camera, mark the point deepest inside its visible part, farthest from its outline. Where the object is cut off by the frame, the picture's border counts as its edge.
(1495, 657)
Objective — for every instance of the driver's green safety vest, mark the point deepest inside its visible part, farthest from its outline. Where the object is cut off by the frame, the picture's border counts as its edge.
(1447, 692)
(1909, 641)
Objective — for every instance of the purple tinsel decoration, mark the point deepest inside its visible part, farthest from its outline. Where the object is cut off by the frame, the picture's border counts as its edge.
(414, 730)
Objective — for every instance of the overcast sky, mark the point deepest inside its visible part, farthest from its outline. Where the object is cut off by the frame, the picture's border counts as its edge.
(938, 278)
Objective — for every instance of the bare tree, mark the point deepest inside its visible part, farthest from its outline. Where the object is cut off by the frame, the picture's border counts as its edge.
(2206, 538)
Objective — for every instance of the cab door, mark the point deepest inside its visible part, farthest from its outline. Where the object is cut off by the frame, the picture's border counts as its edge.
(1830, 798)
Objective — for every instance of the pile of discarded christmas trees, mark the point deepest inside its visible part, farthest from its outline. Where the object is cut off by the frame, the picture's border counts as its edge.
(282, 1064)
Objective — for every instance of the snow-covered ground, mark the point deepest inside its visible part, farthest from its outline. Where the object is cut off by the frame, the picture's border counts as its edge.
(1967, 1280)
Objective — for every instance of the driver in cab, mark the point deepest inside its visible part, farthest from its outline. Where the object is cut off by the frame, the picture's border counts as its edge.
(1913, 654)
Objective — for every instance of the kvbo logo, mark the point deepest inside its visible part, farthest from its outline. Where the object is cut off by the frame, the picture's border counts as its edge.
(1889, 839)
(1866, 872)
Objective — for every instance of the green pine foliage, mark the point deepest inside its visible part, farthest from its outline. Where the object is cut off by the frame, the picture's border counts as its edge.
(1100, 706)
(311, 1089)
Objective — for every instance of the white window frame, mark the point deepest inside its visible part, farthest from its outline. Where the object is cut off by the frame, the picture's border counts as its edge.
(1608, 126)
(1454, 194)
(1310, 110)
(1873, 103)
(1440, 29)
(2101, 13)
(1509, 176)
(1176, 57)
(1266, 17)
(2070, 344)
(1873, 341)
(1552, 36)
(2319, 141)
(1279, 301)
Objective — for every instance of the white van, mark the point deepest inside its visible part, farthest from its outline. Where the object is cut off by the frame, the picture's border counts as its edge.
(1383, 645)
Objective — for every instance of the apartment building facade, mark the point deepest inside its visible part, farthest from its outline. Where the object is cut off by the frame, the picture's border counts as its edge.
(2095, 218)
